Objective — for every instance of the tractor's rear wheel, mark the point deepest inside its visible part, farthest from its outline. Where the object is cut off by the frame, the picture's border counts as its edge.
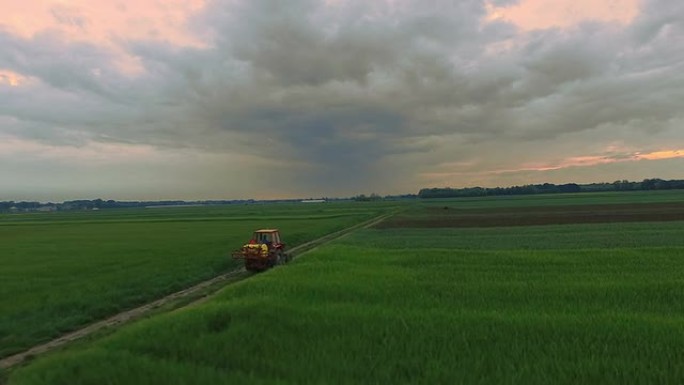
(250, 266)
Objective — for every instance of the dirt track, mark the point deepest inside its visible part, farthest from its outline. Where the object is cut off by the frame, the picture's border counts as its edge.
(203, 289)
(530, 216)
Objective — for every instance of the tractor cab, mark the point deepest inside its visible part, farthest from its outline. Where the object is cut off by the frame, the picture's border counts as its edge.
(269, 237)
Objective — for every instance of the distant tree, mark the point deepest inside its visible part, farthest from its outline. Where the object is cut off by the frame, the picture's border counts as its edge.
(569, 188)
(623, 185)
(367, 198)
(649, 184)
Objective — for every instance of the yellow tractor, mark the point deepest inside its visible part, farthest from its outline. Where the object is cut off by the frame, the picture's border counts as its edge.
(264, 250)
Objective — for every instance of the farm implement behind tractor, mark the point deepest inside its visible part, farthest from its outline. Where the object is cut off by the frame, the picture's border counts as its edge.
(263, 251)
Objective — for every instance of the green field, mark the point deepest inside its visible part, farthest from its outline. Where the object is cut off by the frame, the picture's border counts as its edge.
(63, 270)
(573, 303)
(574, 199)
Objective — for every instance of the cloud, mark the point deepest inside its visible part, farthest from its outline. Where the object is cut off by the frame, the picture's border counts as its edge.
(349, 96)
(542, 14)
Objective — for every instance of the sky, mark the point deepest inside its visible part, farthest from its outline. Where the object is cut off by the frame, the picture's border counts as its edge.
(231, 99)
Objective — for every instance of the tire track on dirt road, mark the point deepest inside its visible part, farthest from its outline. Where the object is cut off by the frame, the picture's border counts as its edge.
(204, 288)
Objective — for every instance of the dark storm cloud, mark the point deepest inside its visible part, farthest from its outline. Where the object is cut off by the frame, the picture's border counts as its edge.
(340, 88)
(344, 86)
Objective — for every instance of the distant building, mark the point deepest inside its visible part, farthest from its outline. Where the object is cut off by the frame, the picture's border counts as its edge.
(313, 201)
(46, 208)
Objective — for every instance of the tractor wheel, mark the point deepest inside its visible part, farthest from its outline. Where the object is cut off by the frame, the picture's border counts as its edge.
(272, 260)
(249, 266)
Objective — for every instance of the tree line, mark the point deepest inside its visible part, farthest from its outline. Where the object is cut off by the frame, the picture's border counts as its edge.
(550, 188)
(97, 204)
(426, 193)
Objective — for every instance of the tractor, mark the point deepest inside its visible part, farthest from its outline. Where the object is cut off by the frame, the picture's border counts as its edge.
(263, 251)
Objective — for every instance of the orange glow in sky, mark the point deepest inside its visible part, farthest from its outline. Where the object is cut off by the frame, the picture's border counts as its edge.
(576, 161)
(661, 155)
(11, 79)
(541, 14)
(594, 160)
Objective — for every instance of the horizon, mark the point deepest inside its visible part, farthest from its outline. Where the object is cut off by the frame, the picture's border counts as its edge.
(346, 197)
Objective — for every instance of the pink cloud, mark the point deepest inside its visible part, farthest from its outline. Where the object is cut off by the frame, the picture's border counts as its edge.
(104, 23)
(12, 79)
(541, 14)
(102, 20)
(595, 160)
(571, 162)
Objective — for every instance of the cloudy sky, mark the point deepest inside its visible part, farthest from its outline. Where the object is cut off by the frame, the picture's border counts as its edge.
(221, 99)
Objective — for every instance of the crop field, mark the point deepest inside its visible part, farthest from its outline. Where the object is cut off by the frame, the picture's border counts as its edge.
(65, 269)
(410, 301)
(575, 199)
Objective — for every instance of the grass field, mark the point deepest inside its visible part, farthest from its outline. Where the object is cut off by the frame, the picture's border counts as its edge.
(575, 199)
(63, 270)
(562, 304)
